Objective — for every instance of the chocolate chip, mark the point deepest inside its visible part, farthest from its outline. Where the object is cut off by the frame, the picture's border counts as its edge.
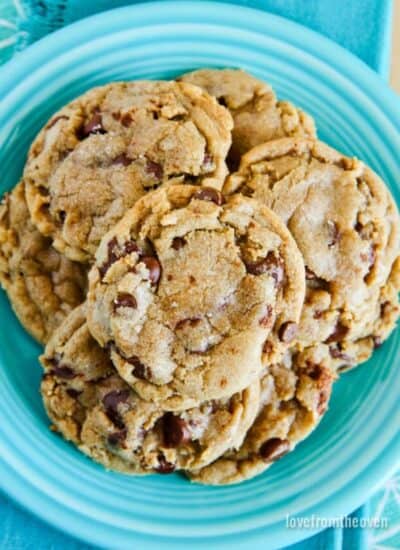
(112, 399)
(122, 159)
(93, 126)
(209, 194)
(338, 334)
(115, 252)
(60, 370)
(62, 215)
(266, 320)
(271, 264)
(140, 370)
(273, 449)
(154, 268)
(164, 467)
(178, 243)
(208, 163)
(334, 234)
(287, 331)
(155, 170)
(73, 393)
(116, 438)
(175, 430)
(337, 353)
(54, 121)
(124, 299)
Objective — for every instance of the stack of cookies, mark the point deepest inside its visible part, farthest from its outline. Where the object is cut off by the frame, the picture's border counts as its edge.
(200, 268)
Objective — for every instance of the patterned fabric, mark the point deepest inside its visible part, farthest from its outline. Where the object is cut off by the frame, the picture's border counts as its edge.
(24, 21)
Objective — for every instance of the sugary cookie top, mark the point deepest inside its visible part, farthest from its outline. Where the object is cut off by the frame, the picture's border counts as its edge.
(93, 407)
(347, 227)
(105, 149)
(257, 114)
(43, 285)
(189, 291)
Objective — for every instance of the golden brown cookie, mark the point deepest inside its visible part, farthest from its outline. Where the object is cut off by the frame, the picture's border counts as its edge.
(95, 409)
(346, 225)
(103, 151)
(43, 286)
(257, 114)
(189, 291)
(294, 397)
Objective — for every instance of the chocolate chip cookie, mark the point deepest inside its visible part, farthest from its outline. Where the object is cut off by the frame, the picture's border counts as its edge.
(189, 291)
(100, 153)
(95, 409)
(42, 285)
(346, 225)
(294, 397)
(257, 114)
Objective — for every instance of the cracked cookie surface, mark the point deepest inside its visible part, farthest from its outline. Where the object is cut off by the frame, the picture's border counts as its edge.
(104, 150)
(192, 295)
(346, 225)
(294, 396)
(42, 285)
(257, 114)
(94, 408)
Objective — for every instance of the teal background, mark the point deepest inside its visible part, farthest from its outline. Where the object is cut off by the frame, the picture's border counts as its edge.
(364, 28)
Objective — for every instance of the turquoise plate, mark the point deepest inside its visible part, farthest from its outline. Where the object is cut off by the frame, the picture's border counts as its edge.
(356, 446)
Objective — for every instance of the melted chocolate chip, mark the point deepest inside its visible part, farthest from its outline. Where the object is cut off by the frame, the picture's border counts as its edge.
(338, 334)
(154, 268)
(155, 169)
(60, 370)
(122, 159)
(273, 449)
(62, 215)
(139, 370)
(164, 467)
(124, 299)
(210, 194)
(116, 252)
(175, 430)
(93, 126)
(288, 331)
(271, 264)
(178, 243)
(112, 399)
(116, 438)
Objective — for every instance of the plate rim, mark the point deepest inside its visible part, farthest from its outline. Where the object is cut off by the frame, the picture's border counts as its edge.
(12, 70)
